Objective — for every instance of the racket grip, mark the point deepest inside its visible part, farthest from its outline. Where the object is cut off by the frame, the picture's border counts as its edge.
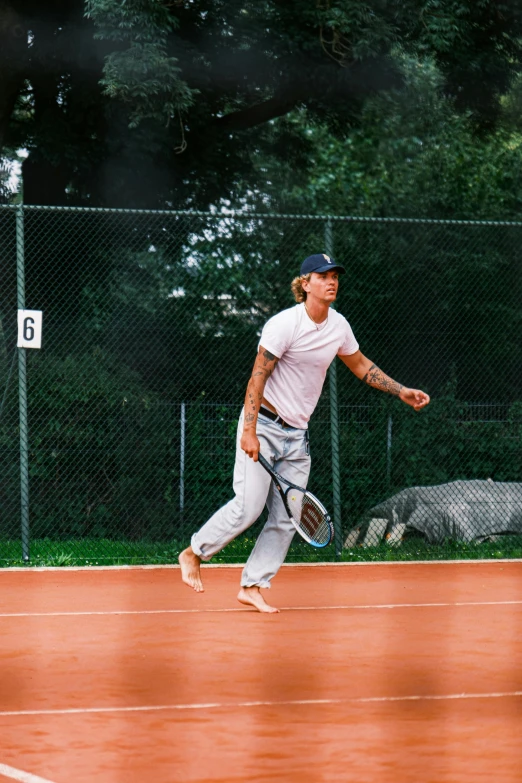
(264, 462)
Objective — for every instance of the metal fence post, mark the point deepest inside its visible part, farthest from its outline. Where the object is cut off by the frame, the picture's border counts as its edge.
(389, 452)
(183, 420)
(22, 387)
(334, 427)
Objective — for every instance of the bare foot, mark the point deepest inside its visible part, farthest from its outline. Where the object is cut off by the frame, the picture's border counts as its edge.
(252, 597)
(190, 572)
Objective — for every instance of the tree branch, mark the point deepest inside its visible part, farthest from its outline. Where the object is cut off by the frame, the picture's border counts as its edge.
(259, 113)
(312, 83)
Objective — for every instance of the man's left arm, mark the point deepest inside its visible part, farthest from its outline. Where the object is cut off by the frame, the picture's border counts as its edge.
(369, 373)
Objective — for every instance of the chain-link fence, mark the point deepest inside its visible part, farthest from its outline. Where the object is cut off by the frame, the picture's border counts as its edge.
(117, 437)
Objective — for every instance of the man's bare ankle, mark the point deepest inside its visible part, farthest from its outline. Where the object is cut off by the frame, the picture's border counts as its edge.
(189, 553)
(252, 596)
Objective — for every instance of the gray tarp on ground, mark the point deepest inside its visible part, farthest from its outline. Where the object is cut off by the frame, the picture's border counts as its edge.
(460, 510)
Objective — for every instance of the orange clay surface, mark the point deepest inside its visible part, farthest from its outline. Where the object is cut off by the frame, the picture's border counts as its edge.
(392, 673)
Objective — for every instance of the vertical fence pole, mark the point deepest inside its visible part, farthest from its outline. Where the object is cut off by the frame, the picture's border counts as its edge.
(22, 387)
(334, 427)
(389, 452)
(183, 420)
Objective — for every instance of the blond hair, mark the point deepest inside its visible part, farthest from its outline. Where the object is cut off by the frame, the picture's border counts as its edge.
(297, 287)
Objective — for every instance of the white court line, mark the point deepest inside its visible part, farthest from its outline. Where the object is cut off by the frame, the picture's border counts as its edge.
(341, 607)
(245, 704)
(18, 774)
(345, 564)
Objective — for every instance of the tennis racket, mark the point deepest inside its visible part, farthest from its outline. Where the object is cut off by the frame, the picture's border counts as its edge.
(307, 514)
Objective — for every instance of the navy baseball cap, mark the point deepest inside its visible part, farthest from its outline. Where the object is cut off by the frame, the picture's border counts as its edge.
(320, 262)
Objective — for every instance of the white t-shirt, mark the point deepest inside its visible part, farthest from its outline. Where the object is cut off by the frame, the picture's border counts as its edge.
(304, 354)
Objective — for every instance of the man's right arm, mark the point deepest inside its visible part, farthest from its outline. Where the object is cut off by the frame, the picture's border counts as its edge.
(264, 366)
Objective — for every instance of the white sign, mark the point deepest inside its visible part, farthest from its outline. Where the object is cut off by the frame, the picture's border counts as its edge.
(29, 328)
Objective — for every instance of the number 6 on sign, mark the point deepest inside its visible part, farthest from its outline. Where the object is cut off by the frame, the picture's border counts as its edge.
(29, 329)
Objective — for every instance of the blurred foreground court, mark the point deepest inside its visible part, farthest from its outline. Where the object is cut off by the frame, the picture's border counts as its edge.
(374, 672)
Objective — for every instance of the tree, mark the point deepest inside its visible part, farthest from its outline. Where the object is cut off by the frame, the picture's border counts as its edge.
(152, 103)
(412, 155)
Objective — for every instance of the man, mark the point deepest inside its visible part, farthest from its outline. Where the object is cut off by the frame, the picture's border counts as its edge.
(295, 350)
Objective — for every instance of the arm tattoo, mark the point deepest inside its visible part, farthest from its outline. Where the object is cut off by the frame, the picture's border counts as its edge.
(269, 357)
(254, 394)
(265, 371)
(379, 380)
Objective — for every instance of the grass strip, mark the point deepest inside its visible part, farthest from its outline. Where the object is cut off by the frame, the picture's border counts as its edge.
(91, 552)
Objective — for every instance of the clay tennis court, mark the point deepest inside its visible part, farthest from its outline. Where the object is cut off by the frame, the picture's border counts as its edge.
(376, 673)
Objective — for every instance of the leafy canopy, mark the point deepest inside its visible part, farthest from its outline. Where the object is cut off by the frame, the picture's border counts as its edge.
(173, 103)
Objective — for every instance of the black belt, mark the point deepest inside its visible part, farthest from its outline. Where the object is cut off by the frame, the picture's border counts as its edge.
(273, 416)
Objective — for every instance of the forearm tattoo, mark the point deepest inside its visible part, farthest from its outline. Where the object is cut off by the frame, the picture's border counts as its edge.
(251, 413)
(254, 395)
(379, 380)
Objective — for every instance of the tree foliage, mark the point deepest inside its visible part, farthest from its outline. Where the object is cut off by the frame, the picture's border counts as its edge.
(142, 75)
(154, 103)
(412, 155)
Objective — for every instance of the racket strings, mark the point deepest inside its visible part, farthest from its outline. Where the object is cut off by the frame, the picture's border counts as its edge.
(310, 516)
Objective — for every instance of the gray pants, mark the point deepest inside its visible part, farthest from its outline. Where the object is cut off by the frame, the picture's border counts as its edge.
(287, 450)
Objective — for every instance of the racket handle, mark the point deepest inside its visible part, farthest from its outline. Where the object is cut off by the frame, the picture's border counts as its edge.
(264, 462)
